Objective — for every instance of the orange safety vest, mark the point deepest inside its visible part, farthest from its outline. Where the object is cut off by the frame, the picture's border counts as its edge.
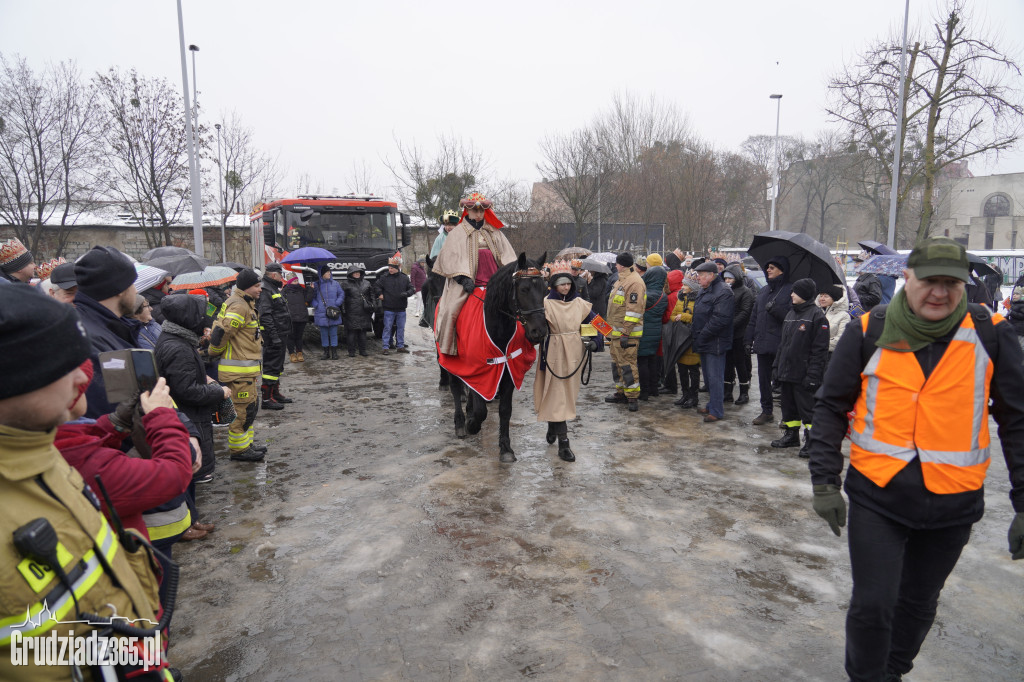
(943, 420)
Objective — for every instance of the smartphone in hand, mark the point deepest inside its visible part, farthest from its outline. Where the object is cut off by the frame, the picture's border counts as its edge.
(128, 372)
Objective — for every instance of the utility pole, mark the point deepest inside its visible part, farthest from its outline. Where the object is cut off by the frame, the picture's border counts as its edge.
(897, 154)
(775, 161)
(193, 161)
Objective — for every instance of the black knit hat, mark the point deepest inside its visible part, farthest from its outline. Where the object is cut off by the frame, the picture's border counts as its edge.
(805, 288)
(836, 291)
(104, 272)
(246, 278)
(41, 340)
(625, 259)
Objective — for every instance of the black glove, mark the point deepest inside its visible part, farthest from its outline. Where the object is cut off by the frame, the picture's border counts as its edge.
(809, 385)
(467, 284)
(121, 417)
(830, 505)
(1016, 537)
(590, 344)
(624, 342)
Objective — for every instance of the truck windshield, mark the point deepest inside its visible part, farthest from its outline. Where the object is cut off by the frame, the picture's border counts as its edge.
(332, 230)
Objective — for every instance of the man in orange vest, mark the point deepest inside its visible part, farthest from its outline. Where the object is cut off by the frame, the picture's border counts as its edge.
(918, 375)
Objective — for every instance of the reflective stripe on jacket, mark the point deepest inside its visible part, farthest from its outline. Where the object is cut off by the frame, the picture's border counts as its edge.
(942, 420)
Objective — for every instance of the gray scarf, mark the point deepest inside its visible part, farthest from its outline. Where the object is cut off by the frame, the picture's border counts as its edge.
(169, 327)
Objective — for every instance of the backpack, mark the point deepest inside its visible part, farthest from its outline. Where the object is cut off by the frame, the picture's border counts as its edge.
(982, 323)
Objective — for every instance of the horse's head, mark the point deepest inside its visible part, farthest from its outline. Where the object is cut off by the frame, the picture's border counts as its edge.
(529, 289)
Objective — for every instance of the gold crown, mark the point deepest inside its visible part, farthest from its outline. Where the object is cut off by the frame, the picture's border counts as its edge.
(577, 264)
(43, 271)
(11, 249)
(560, 267)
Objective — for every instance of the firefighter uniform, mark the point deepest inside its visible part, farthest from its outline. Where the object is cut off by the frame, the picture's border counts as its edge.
(236, 341)
(36, 482)
(626, 315)
(275, 326)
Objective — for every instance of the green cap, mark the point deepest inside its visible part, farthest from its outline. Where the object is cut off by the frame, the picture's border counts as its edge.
(940, 257)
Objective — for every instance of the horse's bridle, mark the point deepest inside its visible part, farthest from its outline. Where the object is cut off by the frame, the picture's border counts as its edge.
(517, 313)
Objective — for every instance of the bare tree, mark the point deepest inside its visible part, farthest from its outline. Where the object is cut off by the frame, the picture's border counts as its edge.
(760, 150)
(147, 143)
(961, 102)
(248, 175)
(362, 179)
(572, 165)
(429, 186)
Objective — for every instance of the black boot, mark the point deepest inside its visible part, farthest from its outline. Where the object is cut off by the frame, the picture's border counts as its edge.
(267, 401)
(790, 439)
(259, 448)
(247, 455)
(728, 392)
(551, 433)
(616, 398)
(564, 452)
(277, 395)
(334, 352)
(744, 396)
(327, 354)
(807, 441)
(633, 404)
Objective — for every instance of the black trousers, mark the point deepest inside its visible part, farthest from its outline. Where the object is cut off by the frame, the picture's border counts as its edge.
(898, 573)
(295, 338)
(273, 363)
(689, 379)
(355, 337)
(737, 363)
(764, 380)
(650, 372)
(797, 404)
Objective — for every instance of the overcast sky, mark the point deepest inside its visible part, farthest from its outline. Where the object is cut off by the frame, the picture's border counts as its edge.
(329, 85)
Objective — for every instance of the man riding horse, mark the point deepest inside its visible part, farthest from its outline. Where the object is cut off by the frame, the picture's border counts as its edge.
(472, 252)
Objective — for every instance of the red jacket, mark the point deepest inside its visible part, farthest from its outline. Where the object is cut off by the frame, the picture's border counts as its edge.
(135, 485)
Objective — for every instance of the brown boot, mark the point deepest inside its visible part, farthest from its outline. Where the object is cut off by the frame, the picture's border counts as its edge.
(292, 358)
(763, 418)
(300, 357)
(193, 534)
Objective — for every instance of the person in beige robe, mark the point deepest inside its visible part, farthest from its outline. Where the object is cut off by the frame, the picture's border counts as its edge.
(554, 398)
(471, 253)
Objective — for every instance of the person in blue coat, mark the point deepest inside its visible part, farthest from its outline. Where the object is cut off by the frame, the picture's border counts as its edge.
(712, 335)
(327, 294)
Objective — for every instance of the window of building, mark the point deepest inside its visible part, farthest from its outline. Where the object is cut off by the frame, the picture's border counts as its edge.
(997, 206)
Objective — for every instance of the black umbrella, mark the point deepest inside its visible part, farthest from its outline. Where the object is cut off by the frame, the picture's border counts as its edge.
(237, 267)
(164, 251)
(177, 265)
(876, 247)
(807, 257)
(979, 265)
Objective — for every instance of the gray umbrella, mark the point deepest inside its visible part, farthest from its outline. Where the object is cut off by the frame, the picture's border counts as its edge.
(595, 265)
(807, 256)
(164, 251)
(177, 265)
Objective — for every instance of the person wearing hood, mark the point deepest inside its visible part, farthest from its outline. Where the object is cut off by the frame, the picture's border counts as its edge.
(297, 297)
(737, 362)
(837, 312)
(673, 283)
(800, 363)
(557, 385)
(326, 294)
(771, 306)
(357, 310)
(471, 254)
(647, 358)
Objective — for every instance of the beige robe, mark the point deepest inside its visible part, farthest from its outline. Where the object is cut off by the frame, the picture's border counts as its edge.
(459, 256)
(555, 399)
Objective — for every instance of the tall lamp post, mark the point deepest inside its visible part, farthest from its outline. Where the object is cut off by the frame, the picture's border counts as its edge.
(775, 160)
(223, 199)
(600, 153)
(897, 152)
(193, 161)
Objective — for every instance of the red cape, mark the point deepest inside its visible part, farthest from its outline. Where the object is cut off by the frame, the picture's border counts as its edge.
(480, 363)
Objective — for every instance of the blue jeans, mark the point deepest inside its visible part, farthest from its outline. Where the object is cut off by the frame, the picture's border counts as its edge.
(713, 365)
(392, 318)
(329, 336)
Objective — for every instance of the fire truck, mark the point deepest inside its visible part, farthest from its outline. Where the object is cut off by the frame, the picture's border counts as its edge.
(361, 230)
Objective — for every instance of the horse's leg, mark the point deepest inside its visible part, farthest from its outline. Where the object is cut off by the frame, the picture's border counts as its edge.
(476, 411)
(505, 393)
(460, 418)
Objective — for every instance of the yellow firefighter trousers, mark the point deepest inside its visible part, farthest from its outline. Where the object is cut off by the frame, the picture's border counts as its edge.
(624, 369)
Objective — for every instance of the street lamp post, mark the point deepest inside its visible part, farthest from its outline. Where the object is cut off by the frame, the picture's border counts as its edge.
(775, 160)
(193, 161)
(223, 199)
(897, 152)
(600, 152)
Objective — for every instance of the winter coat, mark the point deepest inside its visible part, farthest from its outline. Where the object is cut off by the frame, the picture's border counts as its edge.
(803, 348)
(135, 485)
(888, 283)
(106, 332)
(838, 316)
(683, 309)
(274, 317)
(179, 363)
(977, 292)
(332, 295)
(298, 297)
(396, 289)
(358, 306)
(744, 304)
(657, 302)
(582, 288)
(770, 308)
(712, 318)
(599, 293)
(149, 333)
(554, 399)
(869, 290)
(418, 276)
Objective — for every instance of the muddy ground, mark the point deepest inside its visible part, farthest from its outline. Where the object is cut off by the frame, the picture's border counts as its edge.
(373, 545)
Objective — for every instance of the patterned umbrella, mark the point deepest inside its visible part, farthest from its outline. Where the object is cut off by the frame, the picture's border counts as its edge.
(209, 277)
(573, 252)
(884, 265)
(604, 256)
(148, 276)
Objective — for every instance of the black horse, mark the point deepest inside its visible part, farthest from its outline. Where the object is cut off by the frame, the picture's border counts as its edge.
(515, 293)
(432, 290)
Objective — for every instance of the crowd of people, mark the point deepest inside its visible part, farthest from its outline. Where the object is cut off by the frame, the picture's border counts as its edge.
(887, 367)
